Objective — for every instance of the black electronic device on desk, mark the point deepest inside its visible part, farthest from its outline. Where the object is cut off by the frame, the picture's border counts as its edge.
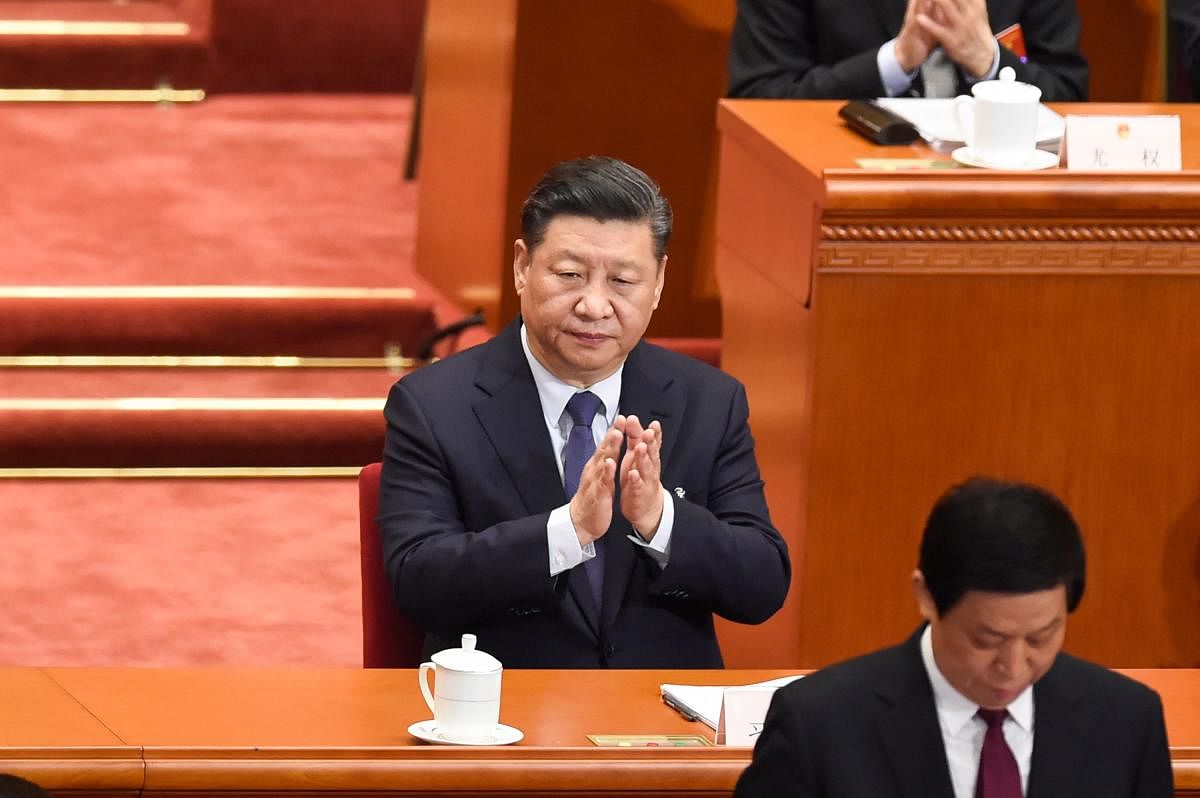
(877, 123)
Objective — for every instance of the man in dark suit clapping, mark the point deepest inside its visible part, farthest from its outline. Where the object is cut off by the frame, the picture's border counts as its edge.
(574, 496)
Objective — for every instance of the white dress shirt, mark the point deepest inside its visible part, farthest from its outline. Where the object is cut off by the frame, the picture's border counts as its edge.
(962, 732)
(896, 81)
(553, 393)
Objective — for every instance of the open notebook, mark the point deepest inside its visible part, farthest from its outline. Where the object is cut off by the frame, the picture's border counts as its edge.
(703, 702)
(934, 118)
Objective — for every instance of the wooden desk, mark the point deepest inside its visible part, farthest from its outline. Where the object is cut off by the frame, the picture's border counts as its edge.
(900, 331)
(48, 736)
(327, 732)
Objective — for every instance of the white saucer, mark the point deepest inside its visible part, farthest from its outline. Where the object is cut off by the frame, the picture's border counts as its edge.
(500, 735)
(1040, 160)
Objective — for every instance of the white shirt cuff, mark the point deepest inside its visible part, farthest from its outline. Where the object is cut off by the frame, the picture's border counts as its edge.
(895, 80)
(991, 73)
(659, 547)
(565, 551)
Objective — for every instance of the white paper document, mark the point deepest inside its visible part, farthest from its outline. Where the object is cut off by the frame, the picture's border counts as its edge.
(934, 119)
(703, 702)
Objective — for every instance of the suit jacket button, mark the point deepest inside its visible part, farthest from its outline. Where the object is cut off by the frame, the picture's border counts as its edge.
(609, 649)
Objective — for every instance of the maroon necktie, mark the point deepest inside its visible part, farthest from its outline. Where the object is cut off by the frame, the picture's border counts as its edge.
(998, 776)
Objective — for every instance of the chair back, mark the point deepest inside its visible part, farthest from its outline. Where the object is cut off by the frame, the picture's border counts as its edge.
(389, 639)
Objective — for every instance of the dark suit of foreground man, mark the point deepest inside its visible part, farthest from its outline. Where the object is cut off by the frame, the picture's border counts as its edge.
(479, 532)
(1001, 565)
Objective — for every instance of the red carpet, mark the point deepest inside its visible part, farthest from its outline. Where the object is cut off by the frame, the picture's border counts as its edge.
(180, 572)
(268, 191)
(242, 190)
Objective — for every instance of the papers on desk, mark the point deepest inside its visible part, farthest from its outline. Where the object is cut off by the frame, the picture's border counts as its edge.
(934, 118)
(694, 702)
(708, 704)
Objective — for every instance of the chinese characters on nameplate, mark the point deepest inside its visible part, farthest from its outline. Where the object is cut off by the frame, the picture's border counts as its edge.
(1123, 143)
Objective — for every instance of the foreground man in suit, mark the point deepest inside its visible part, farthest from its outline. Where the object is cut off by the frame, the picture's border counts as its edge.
(576, 497)
(861, 49)
(980, 701)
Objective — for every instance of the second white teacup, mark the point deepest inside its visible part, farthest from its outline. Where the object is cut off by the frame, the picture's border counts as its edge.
(465, 699)
(999, 123)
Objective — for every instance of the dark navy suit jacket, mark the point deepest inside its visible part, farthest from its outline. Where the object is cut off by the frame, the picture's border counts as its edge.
(868, 728)
(468, 483)
(826, 49)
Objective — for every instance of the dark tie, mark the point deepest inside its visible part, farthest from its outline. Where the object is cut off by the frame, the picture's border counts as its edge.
(581, 444)
(998, 776)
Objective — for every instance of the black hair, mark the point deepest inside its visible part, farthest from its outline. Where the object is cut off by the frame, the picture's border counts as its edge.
(16, 787)
(1003, 537)
(600, 188)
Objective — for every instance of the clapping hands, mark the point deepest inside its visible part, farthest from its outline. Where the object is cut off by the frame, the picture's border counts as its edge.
(960, 27)
(640, 479)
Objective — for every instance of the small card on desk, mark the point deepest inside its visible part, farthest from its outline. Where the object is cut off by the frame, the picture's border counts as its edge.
(1123, 143)
(648, 740)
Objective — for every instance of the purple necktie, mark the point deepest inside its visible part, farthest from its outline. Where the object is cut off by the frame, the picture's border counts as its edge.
(998, 776)
(581, 444)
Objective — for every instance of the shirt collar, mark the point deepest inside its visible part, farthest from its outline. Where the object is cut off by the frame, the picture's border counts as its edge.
(954, 709)
(554, 393)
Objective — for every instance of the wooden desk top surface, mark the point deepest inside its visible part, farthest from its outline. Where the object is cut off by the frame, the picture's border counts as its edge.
(231, 707)
(807, 143)
(340, 729)
(810, 131)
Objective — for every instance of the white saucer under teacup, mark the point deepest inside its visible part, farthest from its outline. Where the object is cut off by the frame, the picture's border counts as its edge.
(999, 123)
(427, 730)
(465, 699)
(1039, 159)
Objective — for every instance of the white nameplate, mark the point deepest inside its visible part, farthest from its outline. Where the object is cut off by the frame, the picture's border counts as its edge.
(744, 709)
(1123, 143)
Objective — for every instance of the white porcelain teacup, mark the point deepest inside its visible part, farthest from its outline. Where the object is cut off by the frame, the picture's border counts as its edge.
(465, 700)
(999, 123)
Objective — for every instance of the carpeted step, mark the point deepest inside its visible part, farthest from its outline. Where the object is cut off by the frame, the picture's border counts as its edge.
(213, 320)
(200, 418)
(77, 44)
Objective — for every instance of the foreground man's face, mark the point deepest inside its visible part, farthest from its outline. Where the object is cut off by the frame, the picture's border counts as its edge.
(587, 293)
(991, 646)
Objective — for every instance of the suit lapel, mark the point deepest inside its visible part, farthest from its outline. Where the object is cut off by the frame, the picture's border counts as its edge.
(511, 417)
(1060, 733)
(649, 395)
(909, 728)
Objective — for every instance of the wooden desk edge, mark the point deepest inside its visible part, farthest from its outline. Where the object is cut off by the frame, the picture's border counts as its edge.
(115, 769)
(443, 768)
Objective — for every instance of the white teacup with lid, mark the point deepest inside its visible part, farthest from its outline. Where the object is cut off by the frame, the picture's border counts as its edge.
(999, 123)
(465, 700)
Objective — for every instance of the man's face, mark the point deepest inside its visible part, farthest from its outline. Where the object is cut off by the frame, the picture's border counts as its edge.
(587, 293)
(991, 646)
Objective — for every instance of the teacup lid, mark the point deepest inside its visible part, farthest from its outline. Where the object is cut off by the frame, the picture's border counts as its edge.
(1006, 88)
(467, 659)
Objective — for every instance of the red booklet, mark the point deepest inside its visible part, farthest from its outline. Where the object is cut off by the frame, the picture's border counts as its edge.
(1012, 38)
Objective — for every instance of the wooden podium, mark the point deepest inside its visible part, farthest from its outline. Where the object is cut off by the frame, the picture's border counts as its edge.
(901, 331)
